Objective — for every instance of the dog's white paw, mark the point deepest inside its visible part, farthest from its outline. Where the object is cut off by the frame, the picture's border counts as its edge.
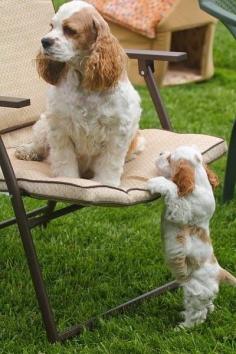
(163, 164)
(193, 318)
(26, 152)
(151, 185)
(158, 185)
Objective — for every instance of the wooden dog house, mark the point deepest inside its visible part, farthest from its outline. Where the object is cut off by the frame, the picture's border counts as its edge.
(183, 26)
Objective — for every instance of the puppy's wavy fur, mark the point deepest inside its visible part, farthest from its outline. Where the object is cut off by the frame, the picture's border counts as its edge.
(184, 178)
(93, 111)
(190, 205)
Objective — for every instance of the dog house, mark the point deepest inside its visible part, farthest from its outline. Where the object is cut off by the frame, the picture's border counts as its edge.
(177, 25)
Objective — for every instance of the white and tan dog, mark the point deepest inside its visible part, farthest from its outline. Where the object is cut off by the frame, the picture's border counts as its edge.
(189, 206)
(92, 116)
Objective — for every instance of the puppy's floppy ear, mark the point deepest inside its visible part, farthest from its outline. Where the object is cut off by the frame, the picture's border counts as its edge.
(184, 178)
(213, 178)
(51, 71)
(107, 59)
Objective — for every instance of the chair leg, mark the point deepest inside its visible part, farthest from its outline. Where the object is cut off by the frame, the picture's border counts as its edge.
(230, 173)
(48, 212)
(34, 267)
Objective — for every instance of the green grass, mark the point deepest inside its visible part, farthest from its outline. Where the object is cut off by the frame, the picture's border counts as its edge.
(99, 257)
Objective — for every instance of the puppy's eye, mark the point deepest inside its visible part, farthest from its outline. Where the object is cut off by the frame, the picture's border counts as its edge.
(51, 26)
(68, 31)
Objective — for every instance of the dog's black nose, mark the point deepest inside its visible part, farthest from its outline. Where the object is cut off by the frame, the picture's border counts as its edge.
(47, 42)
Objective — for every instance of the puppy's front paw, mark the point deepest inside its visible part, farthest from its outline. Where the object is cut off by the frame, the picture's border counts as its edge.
(26, 152)
(163, 164)
(157, 185)
(152, 185)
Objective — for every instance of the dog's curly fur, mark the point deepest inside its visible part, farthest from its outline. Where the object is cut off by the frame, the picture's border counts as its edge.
(189, 206)
(93, 111)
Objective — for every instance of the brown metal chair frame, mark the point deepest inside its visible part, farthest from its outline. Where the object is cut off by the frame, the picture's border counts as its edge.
(41, 216)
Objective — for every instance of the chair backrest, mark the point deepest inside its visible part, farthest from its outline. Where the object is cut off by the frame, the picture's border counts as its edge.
(224, 10)
(22, 25)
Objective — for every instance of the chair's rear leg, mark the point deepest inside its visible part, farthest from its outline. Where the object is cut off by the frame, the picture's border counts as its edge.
(230, 173)
(50, 208)
(146, 69)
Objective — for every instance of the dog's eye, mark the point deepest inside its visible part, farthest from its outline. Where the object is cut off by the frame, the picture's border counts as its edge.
(68, 31)
(51, 26)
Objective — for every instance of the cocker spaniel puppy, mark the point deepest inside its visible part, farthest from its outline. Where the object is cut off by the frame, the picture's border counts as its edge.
(93, 111)
(189, 206)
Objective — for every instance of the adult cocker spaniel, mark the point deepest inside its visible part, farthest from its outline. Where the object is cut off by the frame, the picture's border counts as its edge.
(92, 115)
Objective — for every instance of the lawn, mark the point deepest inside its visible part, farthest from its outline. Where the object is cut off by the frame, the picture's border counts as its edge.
(99, 257)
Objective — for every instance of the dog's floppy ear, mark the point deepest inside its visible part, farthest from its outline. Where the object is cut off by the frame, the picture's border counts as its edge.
(106, 61)
(184, 178)
(51, 71)
(213, 178)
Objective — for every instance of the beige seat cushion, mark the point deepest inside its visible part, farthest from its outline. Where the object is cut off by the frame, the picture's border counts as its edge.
(35, 178)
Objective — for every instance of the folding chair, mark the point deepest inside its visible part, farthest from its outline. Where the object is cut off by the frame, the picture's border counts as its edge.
(34, 179)
(225, 11)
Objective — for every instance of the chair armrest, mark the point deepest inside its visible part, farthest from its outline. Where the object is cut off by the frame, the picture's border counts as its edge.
(14, 102)
(155, 55)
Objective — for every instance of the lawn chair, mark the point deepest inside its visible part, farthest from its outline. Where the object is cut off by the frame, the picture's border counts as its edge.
(23, 23)
(225, 11)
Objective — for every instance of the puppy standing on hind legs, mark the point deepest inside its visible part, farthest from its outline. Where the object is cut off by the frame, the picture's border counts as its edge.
(189, 206)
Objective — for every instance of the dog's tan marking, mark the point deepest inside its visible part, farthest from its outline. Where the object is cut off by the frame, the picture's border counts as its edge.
(134, 147)
(178, 266)
(193, 230)
(181, 237)
(194, 263)
(200, 233)
(79, 27)
(184, 177)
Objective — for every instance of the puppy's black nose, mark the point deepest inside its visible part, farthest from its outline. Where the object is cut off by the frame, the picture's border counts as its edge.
(47, 42)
